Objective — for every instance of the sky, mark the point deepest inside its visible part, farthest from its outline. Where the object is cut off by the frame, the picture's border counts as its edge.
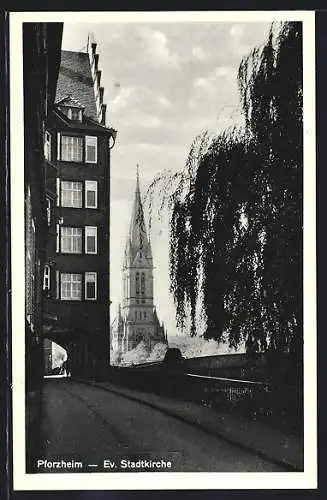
(164, 84)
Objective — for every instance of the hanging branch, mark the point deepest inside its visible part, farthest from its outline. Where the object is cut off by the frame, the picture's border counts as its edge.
(236, 209)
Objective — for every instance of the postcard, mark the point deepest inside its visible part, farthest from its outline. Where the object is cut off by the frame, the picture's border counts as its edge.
(163, 250)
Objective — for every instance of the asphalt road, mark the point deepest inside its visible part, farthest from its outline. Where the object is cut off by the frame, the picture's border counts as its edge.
(103, 431)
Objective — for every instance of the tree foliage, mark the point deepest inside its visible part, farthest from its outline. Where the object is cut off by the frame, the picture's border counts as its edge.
(236, 223)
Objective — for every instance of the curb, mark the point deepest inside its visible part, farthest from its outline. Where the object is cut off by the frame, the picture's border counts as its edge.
(191, 421)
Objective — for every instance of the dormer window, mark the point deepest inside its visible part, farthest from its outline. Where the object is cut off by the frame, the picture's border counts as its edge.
(74, 114)
(72, 109)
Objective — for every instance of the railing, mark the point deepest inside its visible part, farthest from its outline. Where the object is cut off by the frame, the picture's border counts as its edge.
(203, 389)
(217, 392)
(275, 405)
(216, 389)
(141, 366)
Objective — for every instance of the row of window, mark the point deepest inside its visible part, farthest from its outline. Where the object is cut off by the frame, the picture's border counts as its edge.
(72, 286)
(70, 239)
(140, 314)
(77, 194)
(77, 149)
(81, 149)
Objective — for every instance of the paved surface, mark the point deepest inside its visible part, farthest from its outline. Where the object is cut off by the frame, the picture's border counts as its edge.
(271, 443)
(89, 424)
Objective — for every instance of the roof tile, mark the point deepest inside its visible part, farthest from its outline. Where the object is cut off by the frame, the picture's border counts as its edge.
(75, 80)
(70, 101)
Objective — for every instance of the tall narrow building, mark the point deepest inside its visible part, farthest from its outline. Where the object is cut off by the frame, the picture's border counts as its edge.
(77, 163)
(137, 318)
(41, 61)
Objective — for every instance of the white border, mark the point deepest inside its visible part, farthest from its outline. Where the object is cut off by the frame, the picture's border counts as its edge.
(171, 480)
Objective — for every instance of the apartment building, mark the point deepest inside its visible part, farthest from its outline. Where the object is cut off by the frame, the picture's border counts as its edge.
(77, 158)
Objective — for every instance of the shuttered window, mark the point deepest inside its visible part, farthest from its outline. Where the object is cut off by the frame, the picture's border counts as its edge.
(91, 143)
(91, 239)
(90, 286)
(91, 194)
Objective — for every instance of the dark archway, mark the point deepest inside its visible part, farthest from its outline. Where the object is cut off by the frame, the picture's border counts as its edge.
(87, 350)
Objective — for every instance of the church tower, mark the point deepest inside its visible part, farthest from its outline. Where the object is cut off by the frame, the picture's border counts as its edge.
(137, 318)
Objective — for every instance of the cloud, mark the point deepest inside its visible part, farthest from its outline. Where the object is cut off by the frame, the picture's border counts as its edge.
(209, 82)
(139, 120)
(122, 99)
(156, 47)
(202, 83)
(242, 40)
(163, 102)
(222, 71)
(150, 121)
(237, 31)
(200, 54)
(144, 105)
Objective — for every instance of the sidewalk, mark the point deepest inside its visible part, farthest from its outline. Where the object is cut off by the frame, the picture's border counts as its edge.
(270, 443)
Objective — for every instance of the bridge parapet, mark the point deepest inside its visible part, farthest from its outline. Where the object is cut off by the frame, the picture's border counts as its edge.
(258, 400)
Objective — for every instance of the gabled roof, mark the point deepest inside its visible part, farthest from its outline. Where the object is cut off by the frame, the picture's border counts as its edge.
(86, 124)
(75, 80)
(70, 101)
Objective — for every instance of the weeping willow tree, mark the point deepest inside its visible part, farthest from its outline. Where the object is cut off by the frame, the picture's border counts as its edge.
(236, 223)
(270, 83)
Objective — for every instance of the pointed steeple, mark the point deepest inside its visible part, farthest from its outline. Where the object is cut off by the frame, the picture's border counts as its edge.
(137, 241)
(155, 316)
(138, 176)
(137, 230)
(138, 313)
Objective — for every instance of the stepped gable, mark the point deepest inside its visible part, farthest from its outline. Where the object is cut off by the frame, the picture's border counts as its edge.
(75, 79)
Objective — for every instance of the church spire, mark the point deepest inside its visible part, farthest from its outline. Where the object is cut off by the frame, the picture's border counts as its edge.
(137, 176)
(139, 319)
(137, 240)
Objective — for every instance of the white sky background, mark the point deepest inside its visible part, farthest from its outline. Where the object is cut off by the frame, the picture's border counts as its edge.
(164, 83)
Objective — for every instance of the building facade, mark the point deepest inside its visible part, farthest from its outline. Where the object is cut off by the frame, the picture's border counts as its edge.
(41, 61)
(76, 277)
(137, 318)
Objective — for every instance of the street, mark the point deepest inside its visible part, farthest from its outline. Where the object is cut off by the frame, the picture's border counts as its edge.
(105, 431)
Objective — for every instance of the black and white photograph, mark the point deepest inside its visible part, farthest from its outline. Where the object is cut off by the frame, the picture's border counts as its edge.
(163, 250)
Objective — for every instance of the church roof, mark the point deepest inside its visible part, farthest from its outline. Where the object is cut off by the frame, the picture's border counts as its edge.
(155, 317)
(118, 321)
